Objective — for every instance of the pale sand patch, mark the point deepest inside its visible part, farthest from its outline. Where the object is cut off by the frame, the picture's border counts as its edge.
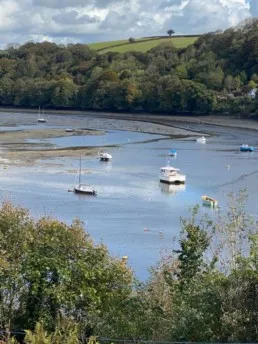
(22, 135)
(15, 151)
(30, 158)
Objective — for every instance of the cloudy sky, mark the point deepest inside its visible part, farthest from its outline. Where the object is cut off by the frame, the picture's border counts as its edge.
(66, 21)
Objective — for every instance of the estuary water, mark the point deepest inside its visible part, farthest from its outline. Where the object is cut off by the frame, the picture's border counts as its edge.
(133, 214)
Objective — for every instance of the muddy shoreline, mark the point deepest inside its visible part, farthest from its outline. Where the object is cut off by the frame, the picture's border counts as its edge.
(167, 120)
(17, 149)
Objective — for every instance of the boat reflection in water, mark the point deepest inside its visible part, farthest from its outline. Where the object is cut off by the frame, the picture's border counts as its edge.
(171, 188)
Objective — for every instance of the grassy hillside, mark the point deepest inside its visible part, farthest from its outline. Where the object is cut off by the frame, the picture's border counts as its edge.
(102, 45)
(142, 44)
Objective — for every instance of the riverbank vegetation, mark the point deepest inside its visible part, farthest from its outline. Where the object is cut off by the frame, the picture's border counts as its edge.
(215, 74)
(60, 287)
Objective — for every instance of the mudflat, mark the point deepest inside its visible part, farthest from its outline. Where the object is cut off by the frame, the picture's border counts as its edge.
(17, 148)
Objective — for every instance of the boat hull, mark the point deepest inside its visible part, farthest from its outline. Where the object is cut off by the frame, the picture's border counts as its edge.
(84, 191)
(244, 149)
(210, 204)
(104, 159)
(179, 179)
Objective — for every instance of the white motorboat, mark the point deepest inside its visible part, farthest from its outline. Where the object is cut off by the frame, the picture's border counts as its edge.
(83, 188)
(69, 130)
(170, 175)
(201, 140)
(104, 156)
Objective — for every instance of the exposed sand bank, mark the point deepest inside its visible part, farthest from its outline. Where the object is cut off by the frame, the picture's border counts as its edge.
(17, 150)
(20, 136)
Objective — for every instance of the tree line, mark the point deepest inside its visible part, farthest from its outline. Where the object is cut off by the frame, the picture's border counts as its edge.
(60, 287)
(213, 75)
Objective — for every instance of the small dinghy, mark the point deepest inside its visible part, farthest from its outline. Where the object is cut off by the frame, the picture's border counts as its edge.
(172, 152)
(246, 148)
(201, 140)
(210, 202)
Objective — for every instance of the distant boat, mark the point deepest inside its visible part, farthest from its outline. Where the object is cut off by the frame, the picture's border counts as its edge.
(201, 140)
(69, 130)
(41, 119)
(83, 188)
(210, 202)
(170, 175)
(172, 152)
(246, 148)
(104, 156)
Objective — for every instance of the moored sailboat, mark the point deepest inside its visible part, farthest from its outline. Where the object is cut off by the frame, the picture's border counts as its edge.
(41, 119)
(81, 188)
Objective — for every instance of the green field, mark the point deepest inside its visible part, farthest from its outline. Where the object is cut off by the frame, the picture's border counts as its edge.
(141, 44)
(101, 45)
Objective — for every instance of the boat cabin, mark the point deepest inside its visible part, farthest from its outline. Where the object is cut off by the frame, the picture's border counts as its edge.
(168, 170)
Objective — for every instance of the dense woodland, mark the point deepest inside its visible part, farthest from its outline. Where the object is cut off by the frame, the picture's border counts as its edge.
(61, 288)
(214, 75)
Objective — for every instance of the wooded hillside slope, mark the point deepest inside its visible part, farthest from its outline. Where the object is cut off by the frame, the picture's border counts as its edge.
(213, 75)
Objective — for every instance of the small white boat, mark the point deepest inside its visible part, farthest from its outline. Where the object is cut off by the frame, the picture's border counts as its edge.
(41, 119)
(201, 140)
(69, 130)
(83, 188)
(104, 156)
(170, 175)
(210, 202)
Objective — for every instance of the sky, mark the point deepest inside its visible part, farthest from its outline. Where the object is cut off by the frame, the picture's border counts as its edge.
(87, 21)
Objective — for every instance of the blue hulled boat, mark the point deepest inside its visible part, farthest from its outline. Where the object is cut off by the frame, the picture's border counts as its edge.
(246, 148)
(172, 152)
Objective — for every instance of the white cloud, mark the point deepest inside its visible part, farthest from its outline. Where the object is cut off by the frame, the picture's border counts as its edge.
(95, 20)
(200, 16)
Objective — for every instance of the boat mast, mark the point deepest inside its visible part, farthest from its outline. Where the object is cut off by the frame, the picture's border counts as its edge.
(168, 161)
(80, 170)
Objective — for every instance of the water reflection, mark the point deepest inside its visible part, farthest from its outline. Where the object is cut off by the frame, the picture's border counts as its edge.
(106, 165)
(171, 188)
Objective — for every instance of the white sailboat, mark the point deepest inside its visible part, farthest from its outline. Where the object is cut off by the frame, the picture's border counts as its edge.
(41, 119)
(83, 188)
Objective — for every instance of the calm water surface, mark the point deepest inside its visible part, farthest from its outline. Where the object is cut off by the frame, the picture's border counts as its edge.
(130, 197)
